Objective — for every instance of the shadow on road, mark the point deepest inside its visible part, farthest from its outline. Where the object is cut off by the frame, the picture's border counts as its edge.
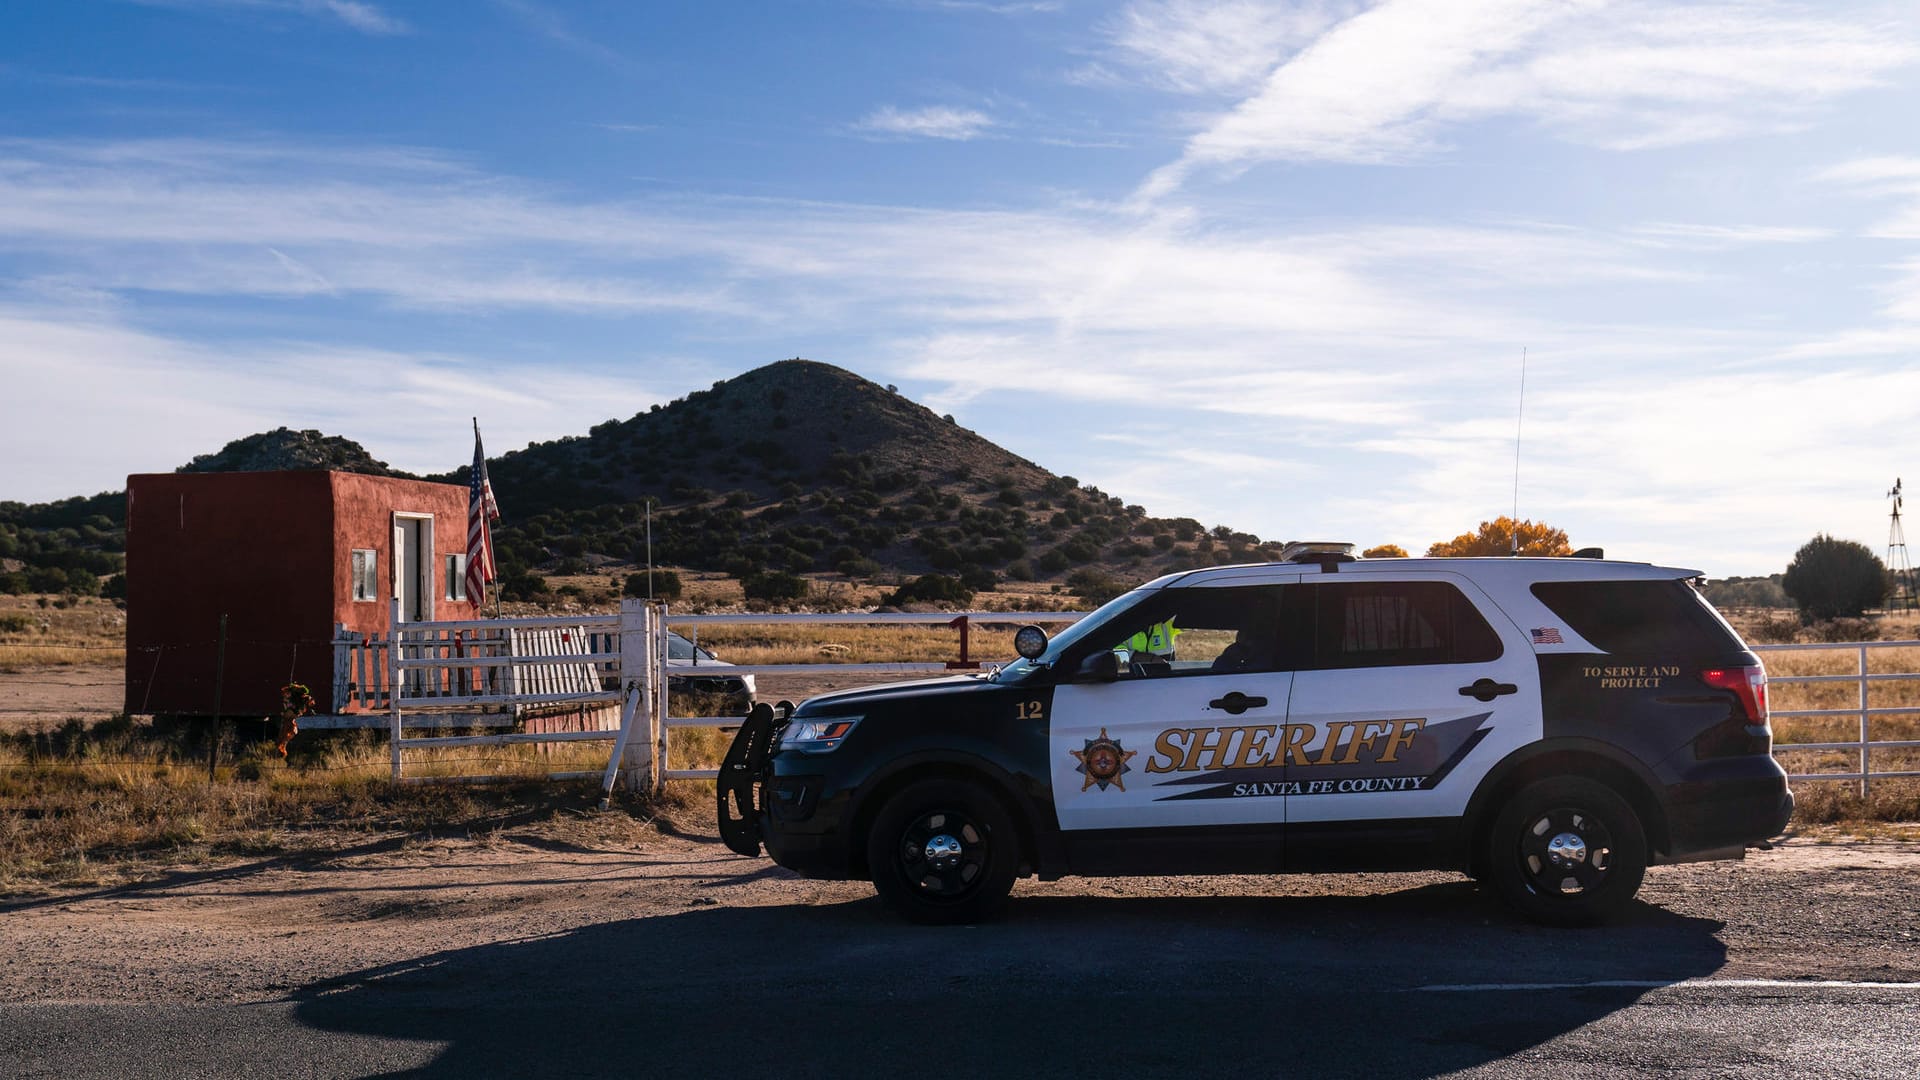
(1065, 985)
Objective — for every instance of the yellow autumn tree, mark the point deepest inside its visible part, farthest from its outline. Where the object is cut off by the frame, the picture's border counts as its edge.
(1496, 538)
(1385, 551)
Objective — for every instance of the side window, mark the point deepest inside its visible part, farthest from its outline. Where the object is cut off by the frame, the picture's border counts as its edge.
(1395, 623)
(363, 574)
(1660, 618)
(1200, 632)
(456, 577)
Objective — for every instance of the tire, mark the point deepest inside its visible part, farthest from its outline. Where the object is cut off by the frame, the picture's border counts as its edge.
(943, 851)
(1567, 852)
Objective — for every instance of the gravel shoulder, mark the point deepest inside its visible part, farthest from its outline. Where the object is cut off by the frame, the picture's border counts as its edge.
(280, 928)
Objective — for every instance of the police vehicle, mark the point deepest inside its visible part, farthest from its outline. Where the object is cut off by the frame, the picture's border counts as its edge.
(1548, 726)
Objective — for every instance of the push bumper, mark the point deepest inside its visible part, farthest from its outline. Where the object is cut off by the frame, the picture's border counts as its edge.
(786, 813)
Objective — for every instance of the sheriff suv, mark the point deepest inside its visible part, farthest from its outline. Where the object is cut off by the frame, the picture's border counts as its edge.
(1548, 726)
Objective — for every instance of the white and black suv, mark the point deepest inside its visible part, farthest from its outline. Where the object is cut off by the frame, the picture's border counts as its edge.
(1548, 726)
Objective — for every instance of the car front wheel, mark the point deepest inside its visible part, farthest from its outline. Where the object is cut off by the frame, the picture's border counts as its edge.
(1567, 852)
(943, 851)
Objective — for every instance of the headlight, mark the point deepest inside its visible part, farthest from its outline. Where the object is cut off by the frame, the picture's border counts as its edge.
(816, 736)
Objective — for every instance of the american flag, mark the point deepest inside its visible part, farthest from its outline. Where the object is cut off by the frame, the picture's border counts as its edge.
(482, 512)
(1547, 636)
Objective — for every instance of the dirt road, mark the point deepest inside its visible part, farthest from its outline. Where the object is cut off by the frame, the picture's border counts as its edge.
(41, 697)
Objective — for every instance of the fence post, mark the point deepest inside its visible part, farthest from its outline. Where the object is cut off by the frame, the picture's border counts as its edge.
(1865, 770)
(394, 684)
(342, 669)
(662, 699)
(219, 684)
(636, 763)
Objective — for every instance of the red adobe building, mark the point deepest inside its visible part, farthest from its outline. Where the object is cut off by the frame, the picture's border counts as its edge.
(285, 556)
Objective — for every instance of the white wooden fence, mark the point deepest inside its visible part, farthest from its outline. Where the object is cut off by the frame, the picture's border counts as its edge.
(497, 673)
(501, 673)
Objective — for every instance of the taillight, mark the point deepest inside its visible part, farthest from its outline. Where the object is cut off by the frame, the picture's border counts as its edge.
(1749, 684)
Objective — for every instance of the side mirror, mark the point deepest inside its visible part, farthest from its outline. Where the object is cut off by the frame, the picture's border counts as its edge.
(1030, 642)
(1103, 666)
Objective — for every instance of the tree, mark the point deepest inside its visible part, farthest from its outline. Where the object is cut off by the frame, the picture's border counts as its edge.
(666, 585)
(1385, 551)
(774, 586)
(933, 589)
(1831, 579)
(1496, 538)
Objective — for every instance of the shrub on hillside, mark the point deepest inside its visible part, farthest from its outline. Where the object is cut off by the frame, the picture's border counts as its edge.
(666, 585)
(931, 589)
(858, 568)
(522, 585)
(1096, 587)
(774, 586)
(979, 579)
(1830, 579)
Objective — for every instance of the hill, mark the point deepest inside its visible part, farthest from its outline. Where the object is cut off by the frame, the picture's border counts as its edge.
(797, 467)
(284, 448)
(802, 467)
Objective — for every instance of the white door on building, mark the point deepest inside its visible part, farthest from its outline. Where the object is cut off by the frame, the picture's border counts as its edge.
(413, 566)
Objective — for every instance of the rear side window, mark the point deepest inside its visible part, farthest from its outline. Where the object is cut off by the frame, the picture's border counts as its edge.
(1662, 618)
(1382, 624)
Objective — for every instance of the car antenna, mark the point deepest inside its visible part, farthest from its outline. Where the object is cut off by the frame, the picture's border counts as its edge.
(1519, 418)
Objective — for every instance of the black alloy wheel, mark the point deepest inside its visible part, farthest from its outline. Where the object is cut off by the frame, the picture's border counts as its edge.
(943, 851)
(1567, 852)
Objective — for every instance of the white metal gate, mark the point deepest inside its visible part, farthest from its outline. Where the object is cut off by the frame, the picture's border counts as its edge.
(483, 672)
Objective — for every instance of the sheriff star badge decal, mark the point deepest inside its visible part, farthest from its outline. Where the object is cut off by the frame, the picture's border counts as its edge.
(1103, 761)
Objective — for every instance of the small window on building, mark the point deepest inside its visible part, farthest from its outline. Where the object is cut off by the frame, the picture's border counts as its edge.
(456, 577)
(363, 574)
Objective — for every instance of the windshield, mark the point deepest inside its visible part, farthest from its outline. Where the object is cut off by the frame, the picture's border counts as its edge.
(679, 648)
(1023, 667)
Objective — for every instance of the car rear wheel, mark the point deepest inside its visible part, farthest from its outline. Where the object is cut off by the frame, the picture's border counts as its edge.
(943, 851)
(1567, 852)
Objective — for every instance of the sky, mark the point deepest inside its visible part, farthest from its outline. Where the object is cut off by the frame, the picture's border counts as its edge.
(1280, 266)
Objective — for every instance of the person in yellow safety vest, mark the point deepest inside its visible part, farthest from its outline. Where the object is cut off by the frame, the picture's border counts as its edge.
(1156, 639)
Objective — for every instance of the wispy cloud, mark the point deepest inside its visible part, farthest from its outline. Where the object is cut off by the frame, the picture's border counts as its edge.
(988, 7)
(1215, 46)
(1697, 235)
(1895, 178)
(931, 122)
(56, 359)
(556, 28)
(1389, 83)
(357, 14)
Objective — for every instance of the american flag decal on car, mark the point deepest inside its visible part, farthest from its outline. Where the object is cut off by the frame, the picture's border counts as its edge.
(1549, 635)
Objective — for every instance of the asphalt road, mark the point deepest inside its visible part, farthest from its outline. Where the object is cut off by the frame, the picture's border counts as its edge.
(1419, 982)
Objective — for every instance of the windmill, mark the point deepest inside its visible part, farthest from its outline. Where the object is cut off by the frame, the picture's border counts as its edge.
(1897, 562)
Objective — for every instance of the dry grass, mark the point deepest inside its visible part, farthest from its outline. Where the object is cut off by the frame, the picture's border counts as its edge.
(92, 806)
(833, 643)
(35, 633)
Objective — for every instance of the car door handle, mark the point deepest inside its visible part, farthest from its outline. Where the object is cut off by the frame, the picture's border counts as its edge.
(1236, 703)
(1487, 689)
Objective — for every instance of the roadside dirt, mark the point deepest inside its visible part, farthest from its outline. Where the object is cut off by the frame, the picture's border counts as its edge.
(267, 929)
(42, 697)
